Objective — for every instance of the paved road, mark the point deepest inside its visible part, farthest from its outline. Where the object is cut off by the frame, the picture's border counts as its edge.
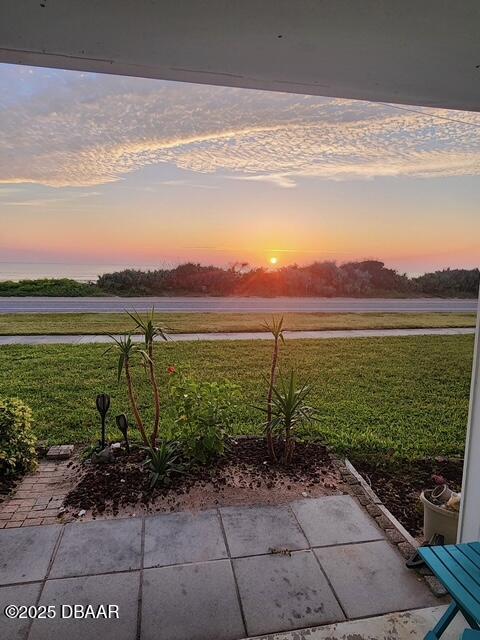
(259, 335)
(234, 304)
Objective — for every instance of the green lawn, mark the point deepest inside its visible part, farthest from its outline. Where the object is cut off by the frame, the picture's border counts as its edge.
(407, 395)
(88, 323)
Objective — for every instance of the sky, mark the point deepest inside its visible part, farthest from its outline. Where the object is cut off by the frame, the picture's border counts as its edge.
(104, 169)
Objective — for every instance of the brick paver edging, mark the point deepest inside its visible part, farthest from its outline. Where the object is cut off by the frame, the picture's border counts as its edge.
(38, 497)
(394, 530)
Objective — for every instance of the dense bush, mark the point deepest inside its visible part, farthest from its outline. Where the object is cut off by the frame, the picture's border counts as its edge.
(187, 278)
(17, 441)
(48, 287)
(364, 278)
(204, 413)
(358, 279)
(450, 282)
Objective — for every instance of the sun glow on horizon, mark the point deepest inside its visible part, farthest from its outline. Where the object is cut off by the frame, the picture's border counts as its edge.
(273, 260)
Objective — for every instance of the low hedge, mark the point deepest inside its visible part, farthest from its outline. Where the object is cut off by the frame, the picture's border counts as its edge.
(17, 440)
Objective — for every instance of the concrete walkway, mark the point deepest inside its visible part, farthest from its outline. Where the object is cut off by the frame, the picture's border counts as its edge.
(407, 625)
(259, 335)
(221, 574)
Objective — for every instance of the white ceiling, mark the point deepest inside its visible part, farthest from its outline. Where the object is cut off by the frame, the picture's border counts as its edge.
(424, 52)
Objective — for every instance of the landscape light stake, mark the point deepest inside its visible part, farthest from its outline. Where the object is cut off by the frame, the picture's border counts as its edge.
(103, 405)
(122, 424)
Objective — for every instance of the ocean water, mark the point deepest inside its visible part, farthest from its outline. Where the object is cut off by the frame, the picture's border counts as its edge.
(81, 272)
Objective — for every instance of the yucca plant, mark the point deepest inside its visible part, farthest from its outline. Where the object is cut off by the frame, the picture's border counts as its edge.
(290, 411)
(127, 349)
(150, 332)
(275, 327)
(163, 462)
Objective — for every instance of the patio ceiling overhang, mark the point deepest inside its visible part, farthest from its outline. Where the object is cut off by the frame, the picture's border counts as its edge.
(421, 53)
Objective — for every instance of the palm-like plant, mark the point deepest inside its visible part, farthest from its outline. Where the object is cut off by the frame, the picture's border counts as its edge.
(289, 411)
(275, 327)
(151, 331)
(126, 350)
(163, 462)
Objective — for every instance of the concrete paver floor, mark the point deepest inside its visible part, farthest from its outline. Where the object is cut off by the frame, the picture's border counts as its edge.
(406, 625)
(223, 574)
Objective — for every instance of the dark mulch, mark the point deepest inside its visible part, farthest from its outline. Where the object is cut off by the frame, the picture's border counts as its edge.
(7, 485)
(126, 482)
(399, 485)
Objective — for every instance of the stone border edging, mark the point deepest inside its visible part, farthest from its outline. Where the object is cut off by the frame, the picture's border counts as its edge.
(394, 530)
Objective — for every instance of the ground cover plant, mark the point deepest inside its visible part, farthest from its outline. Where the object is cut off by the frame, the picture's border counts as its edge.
(95, 323)
(375, 396)
(49, 287)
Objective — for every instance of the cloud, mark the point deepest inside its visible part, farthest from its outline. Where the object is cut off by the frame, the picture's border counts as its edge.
(80, 130)
(278, 179)
(187, 183)
(7, 191)
(39, 202)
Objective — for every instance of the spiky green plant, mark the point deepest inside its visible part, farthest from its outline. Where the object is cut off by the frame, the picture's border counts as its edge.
(275, 327)
(150, 332)
(290, 411)
(163, 462)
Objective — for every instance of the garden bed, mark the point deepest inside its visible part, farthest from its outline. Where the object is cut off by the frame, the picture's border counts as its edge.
(399, 484)
(242, 476)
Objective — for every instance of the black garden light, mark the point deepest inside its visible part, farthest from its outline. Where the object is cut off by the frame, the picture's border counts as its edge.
(122, 424)
(103, 405)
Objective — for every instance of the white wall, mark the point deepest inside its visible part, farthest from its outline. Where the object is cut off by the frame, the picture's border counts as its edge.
(469, 528)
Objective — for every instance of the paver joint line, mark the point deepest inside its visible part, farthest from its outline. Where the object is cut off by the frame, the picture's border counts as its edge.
(140, 582)
(237, 591)
(322, 570)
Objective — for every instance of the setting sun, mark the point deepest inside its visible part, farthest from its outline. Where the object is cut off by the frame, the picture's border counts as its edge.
(273, 260)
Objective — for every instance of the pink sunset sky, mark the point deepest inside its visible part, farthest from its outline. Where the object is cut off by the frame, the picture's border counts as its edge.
(97, 168)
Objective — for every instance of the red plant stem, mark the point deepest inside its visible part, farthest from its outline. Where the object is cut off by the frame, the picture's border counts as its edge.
(268, 431)
(133, 404)
(156, 396)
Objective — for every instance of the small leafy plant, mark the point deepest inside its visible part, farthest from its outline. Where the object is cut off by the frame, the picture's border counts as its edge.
(163, 462)
(203, 413)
